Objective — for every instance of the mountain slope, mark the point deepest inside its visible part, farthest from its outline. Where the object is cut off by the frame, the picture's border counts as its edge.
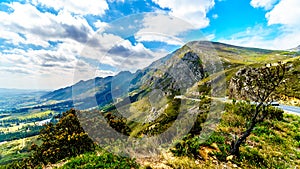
(194, 59)
(296, 49)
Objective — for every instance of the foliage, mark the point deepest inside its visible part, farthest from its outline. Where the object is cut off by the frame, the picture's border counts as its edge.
(190, 145)
(204, 106)
(117, 122)
(24, 132)
(103, 160)
(258, 85)
(65, 139)
(245, 109)
(164, 121)
(16, 150)
(274, 139)
(291, 88)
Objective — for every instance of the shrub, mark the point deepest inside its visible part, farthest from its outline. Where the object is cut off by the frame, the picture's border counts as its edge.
(104, 160)
(65, 139)
(190, 146)
(297, 137)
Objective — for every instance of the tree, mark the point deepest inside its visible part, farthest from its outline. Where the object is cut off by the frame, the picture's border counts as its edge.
(64, 139)
(258, 85)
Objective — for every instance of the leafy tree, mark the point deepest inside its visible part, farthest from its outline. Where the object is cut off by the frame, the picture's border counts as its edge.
(258, 85)
(65, 139)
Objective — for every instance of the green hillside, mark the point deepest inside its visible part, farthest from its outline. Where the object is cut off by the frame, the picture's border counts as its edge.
(190, 81)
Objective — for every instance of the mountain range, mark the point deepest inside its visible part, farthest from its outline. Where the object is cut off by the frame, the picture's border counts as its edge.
(175, 74)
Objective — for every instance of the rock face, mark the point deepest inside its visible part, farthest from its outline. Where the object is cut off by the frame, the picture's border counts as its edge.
(180, 73)
(175, 72)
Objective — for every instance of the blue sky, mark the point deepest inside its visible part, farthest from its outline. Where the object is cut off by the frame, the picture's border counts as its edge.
(48, 44)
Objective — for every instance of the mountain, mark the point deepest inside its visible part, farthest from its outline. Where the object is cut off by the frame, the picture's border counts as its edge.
(296, 49)
(10, 91)
(176, 72)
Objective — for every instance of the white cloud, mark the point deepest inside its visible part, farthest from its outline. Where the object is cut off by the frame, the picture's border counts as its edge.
(193, 11)
(100, 25)
(258, 37)
(117, 1)
(164, 24)
(251, 37)
(285, 15)
(266, 4)
(210, 37)
(11, 37)
(150, 37)
(120, 53)
(286, 12)
(38, 28)
(93, 7)
(133, 57)
(52, 66)
(162, 28)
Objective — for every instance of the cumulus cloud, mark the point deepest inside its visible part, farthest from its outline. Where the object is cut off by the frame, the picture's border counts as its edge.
(286, 12)
(16, 70)
(193, 11)
(150, 37)
(162, 28)
(266, 4)
(26, 25)
(100, 25)
(38, 28)
(92, 7)
(120, 53)
(47, 46)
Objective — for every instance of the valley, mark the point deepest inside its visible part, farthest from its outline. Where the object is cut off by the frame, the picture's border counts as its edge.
(149, 102)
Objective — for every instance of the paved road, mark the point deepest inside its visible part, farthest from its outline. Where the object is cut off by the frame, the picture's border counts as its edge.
(286, 108)
(290, 109)
(187, 98)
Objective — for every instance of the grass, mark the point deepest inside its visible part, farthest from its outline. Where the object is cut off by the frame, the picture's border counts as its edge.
(273, 144)
(23, 116)
(100, 159)
(289, 93)
(16, 149)
(15, 127)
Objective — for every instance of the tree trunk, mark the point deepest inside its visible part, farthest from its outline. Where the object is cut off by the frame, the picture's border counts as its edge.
(235, 145)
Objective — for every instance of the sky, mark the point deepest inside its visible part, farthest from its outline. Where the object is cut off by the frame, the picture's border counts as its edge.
(49, 44)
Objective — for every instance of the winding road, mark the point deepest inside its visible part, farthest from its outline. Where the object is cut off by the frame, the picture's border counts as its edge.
(290, 109)
(286, 108)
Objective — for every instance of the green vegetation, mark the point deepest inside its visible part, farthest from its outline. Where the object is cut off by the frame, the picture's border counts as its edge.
(23, 125)
(23, 132)
(64, 140)
(258, 85)
(16, 149)
(273, 143)
(289, 93)
(101, 159)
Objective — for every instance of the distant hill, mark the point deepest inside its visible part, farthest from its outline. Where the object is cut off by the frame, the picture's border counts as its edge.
(11, 91)
(296, 49)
